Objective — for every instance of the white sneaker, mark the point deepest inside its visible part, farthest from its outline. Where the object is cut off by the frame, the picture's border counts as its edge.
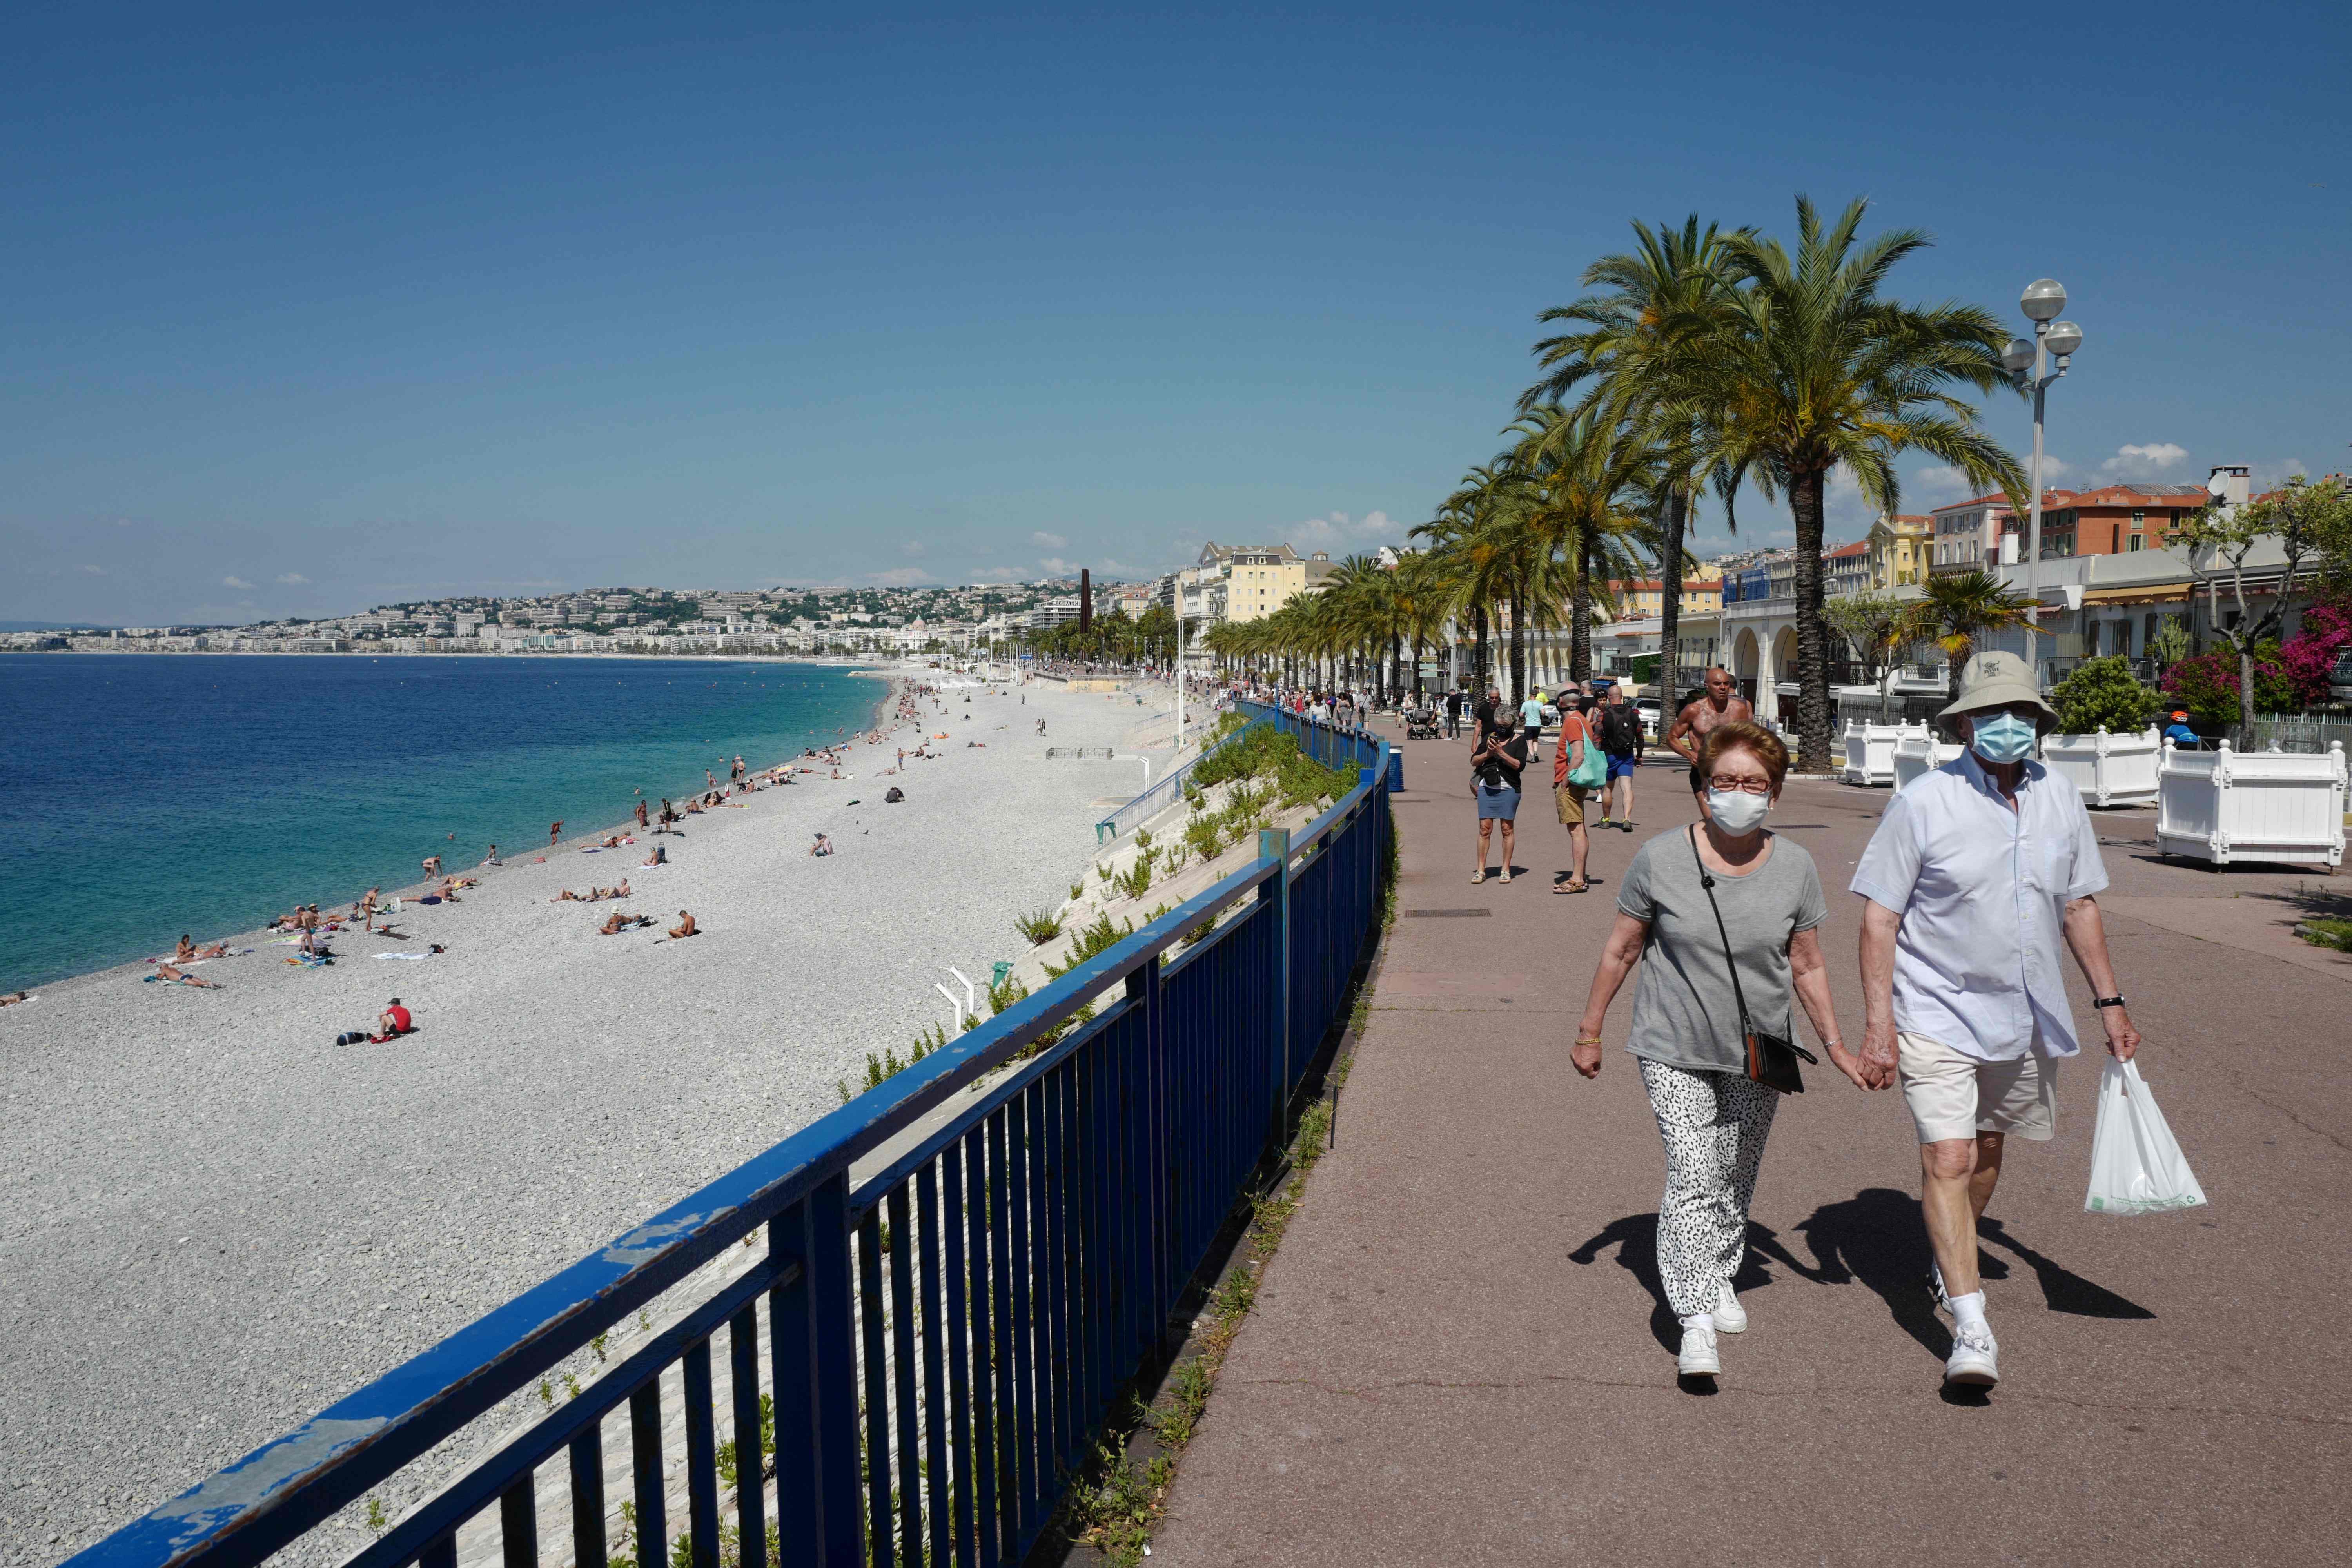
(1730, 1317)
(1697, 1358)
(1935, 1286)
(1975, 1359)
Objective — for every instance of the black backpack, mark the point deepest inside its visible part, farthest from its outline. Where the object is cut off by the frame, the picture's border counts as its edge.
(1620, 728)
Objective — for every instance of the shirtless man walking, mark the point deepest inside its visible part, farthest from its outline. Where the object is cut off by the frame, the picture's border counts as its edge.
(1717, 707)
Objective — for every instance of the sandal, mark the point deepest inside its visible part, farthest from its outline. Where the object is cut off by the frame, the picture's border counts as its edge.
(1573, 887)
(1479, 875)
(1507, 873)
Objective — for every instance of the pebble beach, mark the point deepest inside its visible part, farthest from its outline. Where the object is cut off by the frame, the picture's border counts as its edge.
(216, 1221)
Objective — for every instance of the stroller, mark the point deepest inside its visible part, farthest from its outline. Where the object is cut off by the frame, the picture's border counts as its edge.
(1420, 723)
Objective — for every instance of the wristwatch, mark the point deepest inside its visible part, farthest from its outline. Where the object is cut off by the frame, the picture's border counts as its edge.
(2107, 1001)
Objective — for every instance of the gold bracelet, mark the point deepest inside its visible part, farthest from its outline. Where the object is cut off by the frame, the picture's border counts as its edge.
(1588, 1040)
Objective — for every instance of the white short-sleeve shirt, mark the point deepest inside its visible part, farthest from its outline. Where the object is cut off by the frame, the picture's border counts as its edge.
(1982, 891)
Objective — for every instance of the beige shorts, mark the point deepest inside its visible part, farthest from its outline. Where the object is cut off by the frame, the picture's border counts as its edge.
(1569, 799)
(1952, 1096)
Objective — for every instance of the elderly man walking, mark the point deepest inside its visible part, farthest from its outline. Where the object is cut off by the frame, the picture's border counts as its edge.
(1976, 873)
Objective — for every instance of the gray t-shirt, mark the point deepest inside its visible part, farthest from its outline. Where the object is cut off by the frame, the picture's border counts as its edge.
(1685, 1013)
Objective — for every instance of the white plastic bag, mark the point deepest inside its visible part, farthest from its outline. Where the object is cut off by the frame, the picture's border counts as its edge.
(2135, 1165)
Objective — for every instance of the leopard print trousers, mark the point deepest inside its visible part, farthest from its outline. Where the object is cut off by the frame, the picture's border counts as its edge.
(1714, 1124)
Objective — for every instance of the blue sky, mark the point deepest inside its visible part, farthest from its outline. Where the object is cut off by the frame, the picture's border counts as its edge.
(344, 310)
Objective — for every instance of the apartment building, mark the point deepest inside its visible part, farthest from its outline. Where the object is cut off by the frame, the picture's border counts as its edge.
(1900, 549)
(1637, 600)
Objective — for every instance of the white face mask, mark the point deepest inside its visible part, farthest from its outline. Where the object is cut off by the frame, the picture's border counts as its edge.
(1736, 811)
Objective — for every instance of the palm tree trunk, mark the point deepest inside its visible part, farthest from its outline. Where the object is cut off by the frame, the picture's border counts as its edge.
(1479, 660)
(1519, 644)
(1670, 601)
(1580, 617)
(1813, 634)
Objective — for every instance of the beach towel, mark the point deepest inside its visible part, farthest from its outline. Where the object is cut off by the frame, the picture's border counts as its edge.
(417, 957)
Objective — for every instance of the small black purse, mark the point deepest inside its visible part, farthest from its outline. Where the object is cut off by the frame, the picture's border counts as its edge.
(1771, 1059)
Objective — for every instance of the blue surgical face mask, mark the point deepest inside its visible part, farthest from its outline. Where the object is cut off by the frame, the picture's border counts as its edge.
(2003, 738)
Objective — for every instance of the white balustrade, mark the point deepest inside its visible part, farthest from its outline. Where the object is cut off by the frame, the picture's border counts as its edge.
(2226, 806)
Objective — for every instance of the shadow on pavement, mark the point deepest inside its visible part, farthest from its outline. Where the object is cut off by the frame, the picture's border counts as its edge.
(1873, 1238)
(2064, 1289)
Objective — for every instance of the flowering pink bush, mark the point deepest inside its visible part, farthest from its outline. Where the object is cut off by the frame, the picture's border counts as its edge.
(2308, 657)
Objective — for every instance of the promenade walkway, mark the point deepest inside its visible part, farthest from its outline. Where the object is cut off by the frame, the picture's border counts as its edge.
(1460, 1355)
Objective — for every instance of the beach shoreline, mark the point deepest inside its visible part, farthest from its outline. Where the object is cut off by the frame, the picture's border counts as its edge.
(276, 1219)
(878, 716)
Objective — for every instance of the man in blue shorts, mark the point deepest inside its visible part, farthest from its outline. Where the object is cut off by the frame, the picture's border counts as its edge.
(1619, 725)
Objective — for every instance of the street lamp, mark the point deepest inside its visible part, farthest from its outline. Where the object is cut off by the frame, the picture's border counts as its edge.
(2028, 364)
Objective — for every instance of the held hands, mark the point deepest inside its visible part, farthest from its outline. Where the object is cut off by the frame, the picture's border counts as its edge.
(2123, 1040)
(1876, 1066)
(1846, 1062)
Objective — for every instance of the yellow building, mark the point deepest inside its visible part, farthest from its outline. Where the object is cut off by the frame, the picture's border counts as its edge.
(1255, 580)
(1637, 600)
(1901, 551)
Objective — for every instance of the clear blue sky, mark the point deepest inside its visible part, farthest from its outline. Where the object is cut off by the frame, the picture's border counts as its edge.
(352, 308)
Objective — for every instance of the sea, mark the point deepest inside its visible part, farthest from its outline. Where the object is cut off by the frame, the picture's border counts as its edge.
(143, 795)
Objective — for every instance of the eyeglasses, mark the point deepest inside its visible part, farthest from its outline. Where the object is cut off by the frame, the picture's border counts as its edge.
(1726, 783)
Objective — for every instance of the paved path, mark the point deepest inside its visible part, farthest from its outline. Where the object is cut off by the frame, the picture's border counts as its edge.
(1459, 1355)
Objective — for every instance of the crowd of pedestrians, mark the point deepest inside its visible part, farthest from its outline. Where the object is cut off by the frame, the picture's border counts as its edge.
(1978, 874)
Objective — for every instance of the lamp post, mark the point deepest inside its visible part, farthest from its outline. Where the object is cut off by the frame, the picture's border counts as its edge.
(2028, 364)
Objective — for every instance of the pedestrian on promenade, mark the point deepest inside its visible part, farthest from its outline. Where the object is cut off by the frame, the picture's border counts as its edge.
(1719, 706)
(1531, 714)
(1568, 798)
(1976, 872)
(1495, 767)
(1692, 902)
(1454, 714)
(1620, 732)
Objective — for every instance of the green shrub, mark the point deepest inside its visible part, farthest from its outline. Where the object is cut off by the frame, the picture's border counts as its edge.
(1044, 925)
(1091, 940)
(2104, 691)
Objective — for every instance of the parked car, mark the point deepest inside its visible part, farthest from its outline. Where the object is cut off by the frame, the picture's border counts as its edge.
(1653, 715)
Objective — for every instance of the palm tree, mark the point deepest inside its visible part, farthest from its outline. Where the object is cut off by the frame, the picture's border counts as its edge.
(1957, 611)
(1814, 370)
(1588, 483)
(1665, 297)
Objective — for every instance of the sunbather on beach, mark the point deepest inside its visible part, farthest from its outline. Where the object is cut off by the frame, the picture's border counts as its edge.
(685, 927)
(11, 1001)
(166, 972)
(641, 817)
(623, 890)
(393, 1020)
(822, 846)
(186, 950)
(367, 907)
(492, 857)
(433, 866)
(566, 897)
(613, 842)
(661, 856)
(616, 924)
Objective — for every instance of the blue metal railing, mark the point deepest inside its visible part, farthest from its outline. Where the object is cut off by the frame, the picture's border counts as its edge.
(1158, 797)
(938, 1342)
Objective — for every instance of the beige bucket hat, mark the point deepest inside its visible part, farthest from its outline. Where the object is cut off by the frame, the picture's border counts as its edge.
(1996, 680)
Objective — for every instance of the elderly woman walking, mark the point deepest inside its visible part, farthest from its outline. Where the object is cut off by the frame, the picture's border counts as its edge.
(1727, 915)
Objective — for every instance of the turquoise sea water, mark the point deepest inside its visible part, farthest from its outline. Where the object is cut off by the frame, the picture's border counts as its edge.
(146, 794)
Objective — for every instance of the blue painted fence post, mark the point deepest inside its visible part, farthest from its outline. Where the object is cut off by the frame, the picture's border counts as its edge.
(1274, 844)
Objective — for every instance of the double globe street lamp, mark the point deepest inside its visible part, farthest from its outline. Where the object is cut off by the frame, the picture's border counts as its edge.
(2029, 366)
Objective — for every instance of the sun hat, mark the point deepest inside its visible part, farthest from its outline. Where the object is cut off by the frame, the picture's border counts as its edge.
(1996, 680)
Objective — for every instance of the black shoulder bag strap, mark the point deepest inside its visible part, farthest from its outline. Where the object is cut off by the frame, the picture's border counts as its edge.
(1772, 1059)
